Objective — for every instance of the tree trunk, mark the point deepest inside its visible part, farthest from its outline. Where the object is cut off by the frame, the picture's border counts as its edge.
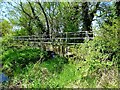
(117, 4)
(48, 31)
(86, 19)
(88, 16)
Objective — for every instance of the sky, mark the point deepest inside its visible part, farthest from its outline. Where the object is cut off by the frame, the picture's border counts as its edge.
(4, 10)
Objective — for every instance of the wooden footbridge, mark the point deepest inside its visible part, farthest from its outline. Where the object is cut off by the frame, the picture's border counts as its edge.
(58, 43)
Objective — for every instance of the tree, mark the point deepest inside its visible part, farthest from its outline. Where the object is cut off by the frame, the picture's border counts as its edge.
(29, 17)
(5, 27)
(33, 20)
(55, 17)
(71, 18)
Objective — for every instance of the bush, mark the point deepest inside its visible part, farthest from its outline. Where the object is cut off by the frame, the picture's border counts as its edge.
(19, 58)
(100, 55)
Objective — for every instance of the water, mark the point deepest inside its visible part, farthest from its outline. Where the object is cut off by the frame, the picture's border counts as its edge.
(3, 78)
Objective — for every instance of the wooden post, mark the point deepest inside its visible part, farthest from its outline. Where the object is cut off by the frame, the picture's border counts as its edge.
(42, 45)
(66, 37)
(62, 49)
(74, 37)
(65, 46)
(87, 35)
(58, 49)
(52, 43)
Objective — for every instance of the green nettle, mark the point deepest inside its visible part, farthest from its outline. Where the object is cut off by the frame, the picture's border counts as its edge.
(101, 55)
(19, 58)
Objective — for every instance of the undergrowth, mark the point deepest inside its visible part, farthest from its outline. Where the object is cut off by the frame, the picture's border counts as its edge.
(95, 64)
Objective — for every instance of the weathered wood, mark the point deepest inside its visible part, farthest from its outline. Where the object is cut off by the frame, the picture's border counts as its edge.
(58, 43)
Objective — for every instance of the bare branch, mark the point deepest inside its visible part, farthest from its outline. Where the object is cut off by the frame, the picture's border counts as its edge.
(25, 11)
(45, 17)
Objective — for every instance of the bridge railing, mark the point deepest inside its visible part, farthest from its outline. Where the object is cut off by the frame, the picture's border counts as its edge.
(67, 37)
